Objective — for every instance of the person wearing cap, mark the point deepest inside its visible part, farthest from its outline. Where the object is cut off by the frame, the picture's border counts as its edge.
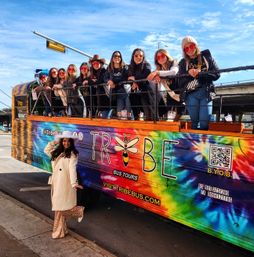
(63, 181)
(37, 101)
(197, 86)
(97, 81)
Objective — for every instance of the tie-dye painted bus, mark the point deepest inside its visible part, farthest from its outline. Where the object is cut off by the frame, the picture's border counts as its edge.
(202, 179)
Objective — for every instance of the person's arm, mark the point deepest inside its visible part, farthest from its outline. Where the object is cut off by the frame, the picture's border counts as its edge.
(73, 171)
(171, 72)
(50, 147)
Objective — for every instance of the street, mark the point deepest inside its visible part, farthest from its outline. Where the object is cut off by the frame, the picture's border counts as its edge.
(121, 228)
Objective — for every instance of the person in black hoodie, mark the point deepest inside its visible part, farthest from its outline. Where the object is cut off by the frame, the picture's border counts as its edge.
(197, 86)
(117, 72)
(141, 92)
(97, 82)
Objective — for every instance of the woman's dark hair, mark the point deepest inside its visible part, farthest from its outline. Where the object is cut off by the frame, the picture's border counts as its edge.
(133, 66)
(66, 152)
(81, 76)
(51, 81)
(111, 64)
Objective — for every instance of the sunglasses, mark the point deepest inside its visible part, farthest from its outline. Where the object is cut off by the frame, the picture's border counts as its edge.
(71, 69)
(160, 56)
(139, 55)
(117, 56)
(84, 68)
(53, 72)
(61, 73)
(43, 77)
(96, 63)
(191, 47)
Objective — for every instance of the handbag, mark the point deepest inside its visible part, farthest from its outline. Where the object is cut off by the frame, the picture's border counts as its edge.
(192, 85)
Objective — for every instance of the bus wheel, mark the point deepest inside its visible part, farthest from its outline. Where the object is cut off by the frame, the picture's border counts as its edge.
(88, 197)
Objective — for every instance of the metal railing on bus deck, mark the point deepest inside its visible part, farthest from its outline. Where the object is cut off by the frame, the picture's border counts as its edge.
(155, 103)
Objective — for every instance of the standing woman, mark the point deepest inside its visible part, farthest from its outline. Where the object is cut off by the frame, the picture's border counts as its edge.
(64, 184)
(97, 78)
(60, 93)
(83, 89)
(198, 86)
(50, 100)
(117, 72)
(141, 92)
(166, 66)
(72, 94)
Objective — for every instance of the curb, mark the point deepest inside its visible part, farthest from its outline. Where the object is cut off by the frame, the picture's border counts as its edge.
(19, 220)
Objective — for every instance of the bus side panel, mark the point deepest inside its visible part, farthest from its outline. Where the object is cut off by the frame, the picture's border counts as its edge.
(22, 141)
(203, 181)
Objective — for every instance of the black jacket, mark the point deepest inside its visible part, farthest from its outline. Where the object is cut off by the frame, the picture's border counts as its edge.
(140, 71)
(208, 74)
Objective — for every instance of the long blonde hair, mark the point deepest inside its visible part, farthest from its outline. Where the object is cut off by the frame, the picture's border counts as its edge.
(69, 78)
(186, 40)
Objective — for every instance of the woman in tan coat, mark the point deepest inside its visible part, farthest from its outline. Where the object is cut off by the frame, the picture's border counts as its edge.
(64, 184)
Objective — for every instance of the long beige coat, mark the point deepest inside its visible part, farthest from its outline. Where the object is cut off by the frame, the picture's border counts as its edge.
(64, 177)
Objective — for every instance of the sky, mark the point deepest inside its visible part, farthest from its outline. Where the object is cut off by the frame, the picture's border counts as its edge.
(226, 27)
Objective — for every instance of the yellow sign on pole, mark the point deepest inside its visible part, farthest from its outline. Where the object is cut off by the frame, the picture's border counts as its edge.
(55, 46)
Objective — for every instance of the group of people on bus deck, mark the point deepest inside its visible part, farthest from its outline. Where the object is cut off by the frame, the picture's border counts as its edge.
(97, 90)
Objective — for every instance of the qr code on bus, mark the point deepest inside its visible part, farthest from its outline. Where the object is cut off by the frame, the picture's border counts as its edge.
(220, 157)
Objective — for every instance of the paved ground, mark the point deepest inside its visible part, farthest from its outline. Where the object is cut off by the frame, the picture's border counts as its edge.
(27, 233)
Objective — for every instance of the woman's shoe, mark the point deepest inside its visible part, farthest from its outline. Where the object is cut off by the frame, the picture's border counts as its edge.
(82, 214)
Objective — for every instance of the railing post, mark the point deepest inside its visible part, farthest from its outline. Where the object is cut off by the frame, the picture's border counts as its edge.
(91, 103)
(220, 106)
(156, 104)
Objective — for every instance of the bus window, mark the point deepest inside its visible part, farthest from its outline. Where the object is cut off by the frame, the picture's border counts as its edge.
(20, 107)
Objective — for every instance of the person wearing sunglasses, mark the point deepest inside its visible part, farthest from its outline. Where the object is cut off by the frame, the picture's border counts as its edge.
(101, 100)
(72, 94)
(141, 92)
(60, 93)
(81, 86)
(198, 88)
(166, 66)
(48, 97)
(117, 72)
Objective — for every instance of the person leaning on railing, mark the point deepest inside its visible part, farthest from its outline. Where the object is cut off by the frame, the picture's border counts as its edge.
(198, 88)
(117, 72)
(97, 81)
(82, 87)
(60, 93)
(37, 101)
(166, 66)
(75, 104)
(141, 92)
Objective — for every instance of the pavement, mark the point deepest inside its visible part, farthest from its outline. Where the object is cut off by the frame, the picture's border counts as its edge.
(25, 232)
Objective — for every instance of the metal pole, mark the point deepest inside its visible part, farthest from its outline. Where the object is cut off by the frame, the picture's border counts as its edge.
(58, 42)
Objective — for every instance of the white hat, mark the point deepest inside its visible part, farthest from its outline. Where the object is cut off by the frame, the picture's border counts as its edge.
(66, 134)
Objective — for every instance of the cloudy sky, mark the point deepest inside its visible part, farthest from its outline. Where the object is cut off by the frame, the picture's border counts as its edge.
(226, 27)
